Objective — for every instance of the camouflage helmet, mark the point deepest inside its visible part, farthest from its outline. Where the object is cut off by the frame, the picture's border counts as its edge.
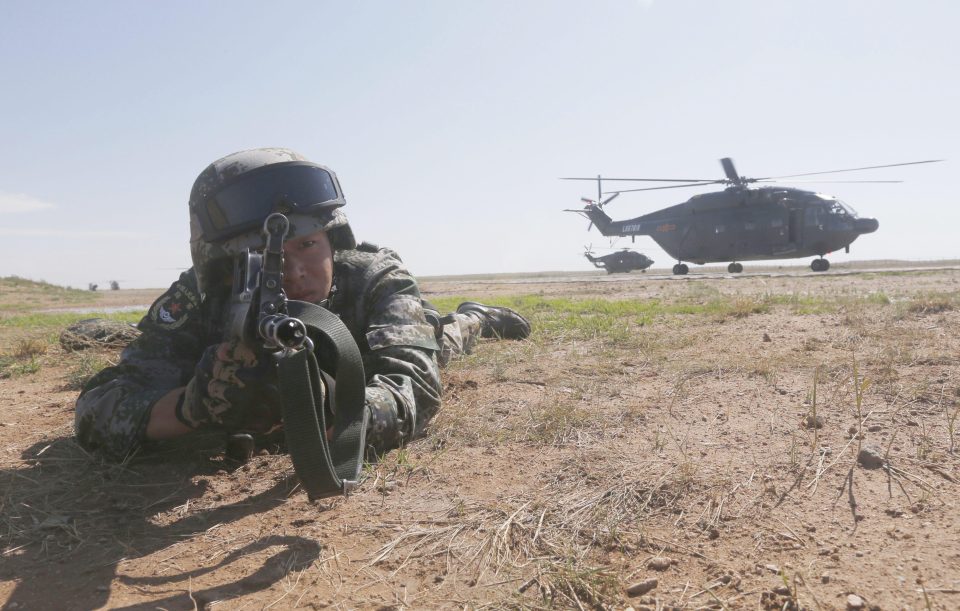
(231, 198)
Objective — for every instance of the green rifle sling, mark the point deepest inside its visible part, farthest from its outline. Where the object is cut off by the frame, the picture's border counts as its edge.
(325, 467)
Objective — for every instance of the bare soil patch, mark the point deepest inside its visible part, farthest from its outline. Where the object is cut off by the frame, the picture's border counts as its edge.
(756, 442)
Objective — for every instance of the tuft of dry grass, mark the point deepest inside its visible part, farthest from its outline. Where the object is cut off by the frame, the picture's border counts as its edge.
(85, 366)
(932, 303)
(29, 348)
(549, 539)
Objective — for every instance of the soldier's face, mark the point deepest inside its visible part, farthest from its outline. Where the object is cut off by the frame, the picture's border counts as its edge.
(308, 267)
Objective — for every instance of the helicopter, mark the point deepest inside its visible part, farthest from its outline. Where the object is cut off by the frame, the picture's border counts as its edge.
(621, 261)
(742, 222)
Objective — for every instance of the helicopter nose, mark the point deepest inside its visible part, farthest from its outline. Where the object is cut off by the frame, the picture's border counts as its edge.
(867, 225)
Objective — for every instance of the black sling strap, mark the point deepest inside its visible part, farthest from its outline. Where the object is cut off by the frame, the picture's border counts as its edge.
(325, 467)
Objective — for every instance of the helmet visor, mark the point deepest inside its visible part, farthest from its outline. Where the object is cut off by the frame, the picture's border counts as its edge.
(287, 188)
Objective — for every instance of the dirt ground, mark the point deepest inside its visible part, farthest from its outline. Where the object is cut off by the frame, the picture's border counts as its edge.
(766, 441)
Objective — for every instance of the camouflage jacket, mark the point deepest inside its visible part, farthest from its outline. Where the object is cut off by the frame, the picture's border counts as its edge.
(375, 296)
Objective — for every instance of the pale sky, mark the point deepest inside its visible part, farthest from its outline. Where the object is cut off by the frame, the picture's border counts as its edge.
(448, 122)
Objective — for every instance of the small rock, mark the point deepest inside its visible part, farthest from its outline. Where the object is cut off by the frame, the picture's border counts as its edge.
(772, 568)
(813, 422)
(782, 590)
(854, 602)
(642, 587)
(713, 533)
(766, 338)
(870, 458)
(874, 428)
(659, 563)
(825, 578)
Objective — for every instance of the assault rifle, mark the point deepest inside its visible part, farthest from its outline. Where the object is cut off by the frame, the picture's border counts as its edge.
(259, 314)
(257, 310)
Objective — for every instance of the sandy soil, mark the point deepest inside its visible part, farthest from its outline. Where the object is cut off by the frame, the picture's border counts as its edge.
(715, 453)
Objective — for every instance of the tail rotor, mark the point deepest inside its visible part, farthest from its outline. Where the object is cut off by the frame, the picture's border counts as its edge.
(599, 202)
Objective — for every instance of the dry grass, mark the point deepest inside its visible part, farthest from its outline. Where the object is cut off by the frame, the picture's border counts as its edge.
(85, 365)
(932, 303)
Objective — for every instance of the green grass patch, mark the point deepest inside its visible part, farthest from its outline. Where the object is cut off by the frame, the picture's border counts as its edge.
(805, 304)
(618, 320)
(59, 320)
(533, 305)
(13, 367)
(563, 318)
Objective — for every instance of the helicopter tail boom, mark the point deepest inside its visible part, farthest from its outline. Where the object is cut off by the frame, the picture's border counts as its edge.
(600, 218)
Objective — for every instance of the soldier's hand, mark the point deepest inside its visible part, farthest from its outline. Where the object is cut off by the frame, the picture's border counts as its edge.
(232, 388)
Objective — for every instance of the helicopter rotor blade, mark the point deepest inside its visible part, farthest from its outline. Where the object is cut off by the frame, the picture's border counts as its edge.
(609, 199)
(646, 179)
(869, 167)
(694, 184)
(729, 170)
(796, 182)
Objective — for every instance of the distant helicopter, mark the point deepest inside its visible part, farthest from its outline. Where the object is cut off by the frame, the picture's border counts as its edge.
(741, 223)
(621, 261)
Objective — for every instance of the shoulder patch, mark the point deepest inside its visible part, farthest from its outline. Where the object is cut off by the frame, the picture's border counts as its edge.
(173, 308)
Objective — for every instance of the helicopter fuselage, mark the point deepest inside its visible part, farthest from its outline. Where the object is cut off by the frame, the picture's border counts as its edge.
(745, 224)
(624, 261)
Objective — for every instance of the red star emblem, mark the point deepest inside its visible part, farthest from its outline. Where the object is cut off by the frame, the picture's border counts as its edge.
(174, 308)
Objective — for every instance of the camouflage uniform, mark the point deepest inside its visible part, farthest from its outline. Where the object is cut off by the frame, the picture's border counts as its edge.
(375, 296)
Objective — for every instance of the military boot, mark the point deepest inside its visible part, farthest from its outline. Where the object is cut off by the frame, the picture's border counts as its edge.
(497, 321)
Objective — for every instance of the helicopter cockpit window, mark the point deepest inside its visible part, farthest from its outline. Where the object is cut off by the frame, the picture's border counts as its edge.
(840, 209)
(847, 208)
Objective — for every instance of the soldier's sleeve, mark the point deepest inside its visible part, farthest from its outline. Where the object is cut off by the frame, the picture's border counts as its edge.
(403, 379)
(113, 408)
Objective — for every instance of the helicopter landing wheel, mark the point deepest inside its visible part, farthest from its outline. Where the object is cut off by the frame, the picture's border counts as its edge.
(819, 265)
(735, 268)
(680, 269)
